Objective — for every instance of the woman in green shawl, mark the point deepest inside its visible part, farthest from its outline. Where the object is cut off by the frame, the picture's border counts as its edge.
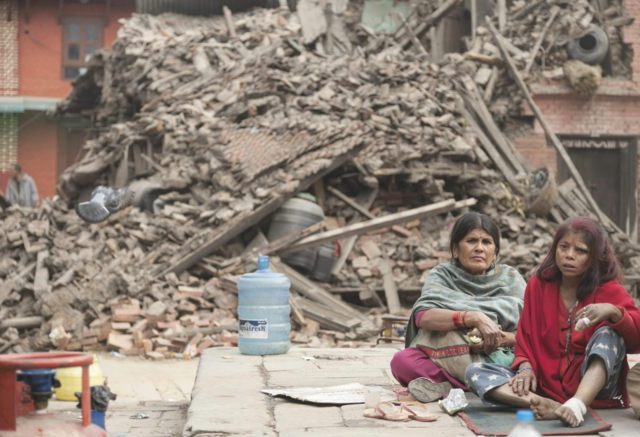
(468, 311)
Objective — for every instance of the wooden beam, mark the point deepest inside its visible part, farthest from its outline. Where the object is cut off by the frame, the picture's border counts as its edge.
(390, 286)
(281, 243)
(347, 245)
(41, 278)
(543, 122)
(380, 222)
(536, 47)
(325, 315)
(313, 291)
(484, 59)
(319, 193)
(490, 149)
(502, 15)
(414, 38)
(483, 113)
(430, 21)
(237, 225)
(491, 85)
(526, 9)
(364, 211)
(22, 322)
(228, 19)
(358, 289)
(296, 311)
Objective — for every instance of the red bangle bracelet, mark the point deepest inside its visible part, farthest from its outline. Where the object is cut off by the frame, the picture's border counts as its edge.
(464, 319)
(456, 317)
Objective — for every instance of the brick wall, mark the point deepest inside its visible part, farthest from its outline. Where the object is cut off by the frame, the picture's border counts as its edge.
(38, 152)
(8, 47)
(40, 41)
(8, 140)
(40, 72)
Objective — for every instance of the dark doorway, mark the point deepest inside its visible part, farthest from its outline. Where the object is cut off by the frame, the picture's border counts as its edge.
(71, 139)
(608, 167)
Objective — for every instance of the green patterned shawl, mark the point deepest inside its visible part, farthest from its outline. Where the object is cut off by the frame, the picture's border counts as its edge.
(499, 294)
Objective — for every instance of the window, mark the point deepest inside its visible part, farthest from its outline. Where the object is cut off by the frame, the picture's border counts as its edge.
(81, 37)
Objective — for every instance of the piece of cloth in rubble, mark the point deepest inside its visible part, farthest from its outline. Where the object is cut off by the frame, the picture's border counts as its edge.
(498, 294)
(556, 357)
(22, 191)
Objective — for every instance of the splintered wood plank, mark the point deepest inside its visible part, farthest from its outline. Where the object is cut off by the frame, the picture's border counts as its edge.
(240, 223)
(326, 316)
(41, 279)
(380, 222)
(390, 287)
(575, 174)
(313, 291)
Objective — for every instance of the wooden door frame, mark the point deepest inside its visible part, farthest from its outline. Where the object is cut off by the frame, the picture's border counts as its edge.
(628, 197)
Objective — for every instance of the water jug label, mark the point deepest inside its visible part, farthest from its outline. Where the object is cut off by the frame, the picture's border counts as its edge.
(254, 328)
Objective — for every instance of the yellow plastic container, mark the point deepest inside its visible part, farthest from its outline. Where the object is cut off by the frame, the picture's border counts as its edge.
(71, 380)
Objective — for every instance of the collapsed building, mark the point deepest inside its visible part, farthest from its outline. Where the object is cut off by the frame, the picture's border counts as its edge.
(219, 122)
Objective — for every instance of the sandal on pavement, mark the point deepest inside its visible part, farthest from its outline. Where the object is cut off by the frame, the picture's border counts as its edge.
(425, 390)
(387, 411)
(419, 412)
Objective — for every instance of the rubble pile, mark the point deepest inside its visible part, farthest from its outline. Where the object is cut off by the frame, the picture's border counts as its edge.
(228, 119)
(538, 34)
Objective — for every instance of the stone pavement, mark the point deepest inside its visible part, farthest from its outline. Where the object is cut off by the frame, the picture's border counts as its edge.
(226, 398)
(159, 390)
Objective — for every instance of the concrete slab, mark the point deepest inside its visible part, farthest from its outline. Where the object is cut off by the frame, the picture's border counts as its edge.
(135, 379)
(227, 393)
(300, 417)
(227, 398)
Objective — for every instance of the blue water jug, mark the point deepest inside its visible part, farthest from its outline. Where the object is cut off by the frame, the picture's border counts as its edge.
(263, 311)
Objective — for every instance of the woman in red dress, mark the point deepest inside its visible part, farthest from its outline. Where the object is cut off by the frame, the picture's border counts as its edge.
(576, 327)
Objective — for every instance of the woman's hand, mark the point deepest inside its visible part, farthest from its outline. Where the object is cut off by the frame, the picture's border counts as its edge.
(508, 339)
(489, 330)
(524, 381)
(596, 313)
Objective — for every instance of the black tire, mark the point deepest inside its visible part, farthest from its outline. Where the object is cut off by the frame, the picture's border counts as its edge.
(590, 48)
(293, 5)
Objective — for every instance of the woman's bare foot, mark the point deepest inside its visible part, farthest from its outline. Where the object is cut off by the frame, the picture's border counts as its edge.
(544, 408)
(567, 416)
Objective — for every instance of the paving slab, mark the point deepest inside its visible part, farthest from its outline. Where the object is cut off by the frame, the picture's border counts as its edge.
(218, 395)
(226, 399)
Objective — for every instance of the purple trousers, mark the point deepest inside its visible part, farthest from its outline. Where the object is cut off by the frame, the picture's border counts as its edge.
(412, 363)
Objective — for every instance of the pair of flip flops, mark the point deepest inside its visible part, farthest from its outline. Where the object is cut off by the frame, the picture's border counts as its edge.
(399, 412)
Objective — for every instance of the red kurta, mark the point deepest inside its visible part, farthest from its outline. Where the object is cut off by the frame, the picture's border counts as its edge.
(542, 338)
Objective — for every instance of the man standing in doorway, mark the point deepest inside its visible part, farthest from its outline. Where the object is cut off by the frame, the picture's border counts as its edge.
(21, 190)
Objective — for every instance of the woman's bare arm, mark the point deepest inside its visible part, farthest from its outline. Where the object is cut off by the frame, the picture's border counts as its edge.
(437, 319)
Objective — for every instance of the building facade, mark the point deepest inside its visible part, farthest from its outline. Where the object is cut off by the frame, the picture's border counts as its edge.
(600, 133)
(44, 45)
